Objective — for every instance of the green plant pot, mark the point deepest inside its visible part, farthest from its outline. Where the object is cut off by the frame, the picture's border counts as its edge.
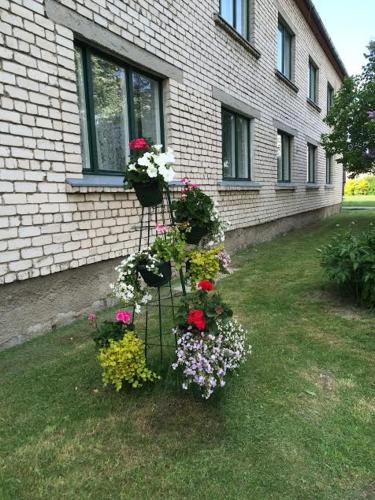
(154, 280)
(194, 236)
(149, 194)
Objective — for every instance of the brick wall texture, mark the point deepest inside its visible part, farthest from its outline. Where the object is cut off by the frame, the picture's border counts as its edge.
(47, 226)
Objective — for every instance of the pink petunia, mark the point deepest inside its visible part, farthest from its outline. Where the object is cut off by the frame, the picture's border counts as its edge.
(123, 316)
(91, 317)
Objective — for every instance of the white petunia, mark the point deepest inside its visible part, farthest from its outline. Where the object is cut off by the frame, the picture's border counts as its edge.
(167, 173)
(152, 171)
(145, 160)
(158, 147)
(132, 167)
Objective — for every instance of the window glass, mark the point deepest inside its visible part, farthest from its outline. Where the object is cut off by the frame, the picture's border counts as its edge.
(287, 54)
(283, 157)
(229, 145)
(111, 117)
(243, 141)
(280, 49)
(330, 95)
(311, 160)
(313, 73)
(82, 110)
(329, 169)
(227, 11)
(146, 108)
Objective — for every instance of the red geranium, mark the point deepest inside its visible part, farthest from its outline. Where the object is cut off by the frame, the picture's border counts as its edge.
(139, 143)
(206, 285)
(196, 318)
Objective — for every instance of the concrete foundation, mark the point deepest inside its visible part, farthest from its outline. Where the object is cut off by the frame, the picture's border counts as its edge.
(36, 306)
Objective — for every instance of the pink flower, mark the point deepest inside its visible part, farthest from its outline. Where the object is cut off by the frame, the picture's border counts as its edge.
(194, 186)
(139, 143)
(123, 316)
(91, 317)
(161, 229)
(185, 180)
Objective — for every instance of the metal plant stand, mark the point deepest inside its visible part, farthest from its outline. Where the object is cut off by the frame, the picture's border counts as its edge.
(164, 295)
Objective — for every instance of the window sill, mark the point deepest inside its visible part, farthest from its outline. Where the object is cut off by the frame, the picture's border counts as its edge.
(285, 186)
(329, 186)
(286, 80)
(239, 186)
(90, 183)
(313, 105)
(219, 21)
(311, 186)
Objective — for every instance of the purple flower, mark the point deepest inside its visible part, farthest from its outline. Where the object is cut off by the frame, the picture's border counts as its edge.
(371, 114)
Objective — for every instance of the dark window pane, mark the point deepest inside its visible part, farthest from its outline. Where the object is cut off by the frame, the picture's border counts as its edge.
(146, 108)
(313, 73)
(243, 141)
(229, 145)
(82, 110)
(111, 118)
(287, 54)
(311, 163)
(329, 169)
(279, 158)
(286, 158)
(226, 10)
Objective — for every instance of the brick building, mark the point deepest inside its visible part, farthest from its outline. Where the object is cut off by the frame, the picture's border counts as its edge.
(238, 88)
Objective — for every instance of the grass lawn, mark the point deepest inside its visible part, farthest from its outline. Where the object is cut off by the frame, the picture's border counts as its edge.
(295, 424)
(359, 201)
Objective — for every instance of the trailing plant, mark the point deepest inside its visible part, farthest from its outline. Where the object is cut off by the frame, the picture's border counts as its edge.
(124, 361)
(349, 261)
(206, 358)
(148, 163)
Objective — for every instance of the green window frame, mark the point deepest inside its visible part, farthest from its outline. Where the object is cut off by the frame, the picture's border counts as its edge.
(328, 169)
(311, 163)
(330, 96)
(236, 146)
(284, 49)
(117, 103)
(284, 156)
(313, 81)
(237, 14)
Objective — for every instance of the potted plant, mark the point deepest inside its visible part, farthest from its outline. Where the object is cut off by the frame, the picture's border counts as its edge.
(206, 263)
(196, 213)
(210, 343)
(155, 264)
(148, 170)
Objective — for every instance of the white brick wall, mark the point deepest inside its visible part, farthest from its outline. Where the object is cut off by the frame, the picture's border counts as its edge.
(45, 225)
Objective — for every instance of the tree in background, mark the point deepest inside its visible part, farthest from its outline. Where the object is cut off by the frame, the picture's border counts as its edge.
(352, 121)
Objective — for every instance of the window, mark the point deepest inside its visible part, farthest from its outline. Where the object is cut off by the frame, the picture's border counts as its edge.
(313, 81)
(284, 142)
(311, 163)
(116, 104)
(236, 146)
(330, 94)
(328, 169)
(236, 13)
(284, 50)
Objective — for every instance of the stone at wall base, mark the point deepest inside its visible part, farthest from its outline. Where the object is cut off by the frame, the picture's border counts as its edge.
(39, 305)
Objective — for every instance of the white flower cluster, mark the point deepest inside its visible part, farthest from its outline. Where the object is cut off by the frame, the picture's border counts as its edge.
(128, 287)
(206, 358)
(155, 163)
(220, 226)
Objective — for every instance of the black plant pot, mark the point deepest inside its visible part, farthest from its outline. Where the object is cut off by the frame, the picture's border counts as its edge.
(149, 194)
(195, 235)
(154, 280)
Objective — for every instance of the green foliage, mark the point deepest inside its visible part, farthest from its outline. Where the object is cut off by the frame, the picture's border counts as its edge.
(203, 264)
(170, 247)
(124, 361)
(211, 303)
(356, 187)
(371, 184)
(352, 137)
(108, 330)
(194, 207)
(349, 261)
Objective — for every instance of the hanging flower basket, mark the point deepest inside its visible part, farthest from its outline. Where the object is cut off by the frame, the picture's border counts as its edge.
(149, 193)
(194, 236)
(156, 280)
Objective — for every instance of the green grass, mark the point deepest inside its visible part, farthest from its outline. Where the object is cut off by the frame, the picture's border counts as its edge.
(359, 201)
(295, 424)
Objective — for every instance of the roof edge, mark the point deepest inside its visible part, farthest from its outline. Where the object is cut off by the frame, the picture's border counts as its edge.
(315, 22)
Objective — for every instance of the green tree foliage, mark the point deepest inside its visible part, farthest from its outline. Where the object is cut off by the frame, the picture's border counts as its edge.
(352, 137)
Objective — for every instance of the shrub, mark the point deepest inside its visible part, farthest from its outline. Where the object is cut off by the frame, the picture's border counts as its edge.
(371, 184)
(349, 261)
(361, 186)
(349, 187)
(124, 361)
